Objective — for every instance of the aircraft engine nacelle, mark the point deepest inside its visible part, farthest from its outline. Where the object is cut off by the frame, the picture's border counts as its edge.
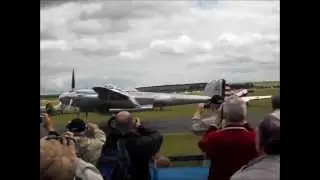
(114, 98)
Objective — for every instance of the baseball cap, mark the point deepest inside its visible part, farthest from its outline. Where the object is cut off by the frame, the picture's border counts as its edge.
(76, 125)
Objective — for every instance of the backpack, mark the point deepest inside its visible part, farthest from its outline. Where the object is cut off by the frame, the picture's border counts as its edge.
(114, 162)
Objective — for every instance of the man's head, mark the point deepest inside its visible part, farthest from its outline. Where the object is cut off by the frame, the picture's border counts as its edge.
(57, 159)
(268, 136)
(275, 101)
(124, 117)
(77, 126)
(234, 110)
(124, 121)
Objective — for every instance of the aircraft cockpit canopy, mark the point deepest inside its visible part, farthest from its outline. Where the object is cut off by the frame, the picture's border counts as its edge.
(85, 91)
(111, 86)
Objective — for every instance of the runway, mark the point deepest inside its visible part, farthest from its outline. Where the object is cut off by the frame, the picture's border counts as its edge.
(181, 125)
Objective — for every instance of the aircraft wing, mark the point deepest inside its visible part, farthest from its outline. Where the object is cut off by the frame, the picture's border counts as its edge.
(140, 108)
(249, 98)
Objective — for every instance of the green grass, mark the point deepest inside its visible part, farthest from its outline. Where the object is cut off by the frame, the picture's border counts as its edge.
(168, 113)
(182, 143)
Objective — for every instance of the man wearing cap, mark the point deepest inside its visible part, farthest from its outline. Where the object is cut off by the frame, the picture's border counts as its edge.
(89, 139)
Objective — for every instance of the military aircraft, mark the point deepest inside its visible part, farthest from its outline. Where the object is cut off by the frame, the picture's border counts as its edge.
(104, 99)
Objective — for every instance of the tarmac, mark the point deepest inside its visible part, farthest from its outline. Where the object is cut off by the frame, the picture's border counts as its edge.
(182, 125)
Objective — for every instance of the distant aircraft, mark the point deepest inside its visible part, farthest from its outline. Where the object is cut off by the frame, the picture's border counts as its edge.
(104, 99)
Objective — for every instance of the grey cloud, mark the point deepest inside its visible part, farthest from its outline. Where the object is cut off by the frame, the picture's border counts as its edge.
(88, 82)
(51, 3)
(47, 35)
(100, 52)
(122, 10)
(248, 52)
(48, 71)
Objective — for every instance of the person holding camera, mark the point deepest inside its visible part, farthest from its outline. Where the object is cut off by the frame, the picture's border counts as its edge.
(129, 149)
(59, 161)
(231, 146)
(46, 126)
(89, 139)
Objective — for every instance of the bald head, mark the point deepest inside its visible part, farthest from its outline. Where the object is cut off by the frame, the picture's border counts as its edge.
(124, 117)
(269, 135)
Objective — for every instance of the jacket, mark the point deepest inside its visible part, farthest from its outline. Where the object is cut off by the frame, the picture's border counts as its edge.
(228, 150)
(141, 146)
(262, 168)
(276, 113)
(89, 148)
(87, 171)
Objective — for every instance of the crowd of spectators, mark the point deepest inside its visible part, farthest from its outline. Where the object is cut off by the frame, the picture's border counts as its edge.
(236, 150)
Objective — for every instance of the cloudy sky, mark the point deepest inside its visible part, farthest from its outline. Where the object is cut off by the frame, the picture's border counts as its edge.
(141, 43)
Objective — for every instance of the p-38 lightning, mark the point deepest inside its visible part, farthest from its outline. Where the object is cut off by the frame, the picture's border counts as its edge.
(104, 99)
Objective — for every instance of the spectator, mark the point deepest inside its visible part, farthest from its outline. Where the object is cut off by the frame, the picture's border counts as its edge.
(200, 124)
(231, 147)
(46, 126)
(58, 161)
(89, 139)
(141, 144)
(266, 166)
(275, 101)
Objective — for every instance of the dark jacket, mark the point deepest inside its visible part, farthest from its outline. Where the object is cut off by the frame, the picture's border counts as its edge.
(141, 147)
(228, 149)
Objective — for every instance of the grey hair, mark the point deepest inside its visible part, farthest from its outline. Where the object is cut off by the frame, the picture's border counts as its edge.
(234, 110)
(275, 102)
(269, 134)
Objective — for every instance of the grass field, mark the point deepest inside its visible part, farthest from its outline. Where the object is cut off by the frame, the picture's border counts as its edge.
(175, 144)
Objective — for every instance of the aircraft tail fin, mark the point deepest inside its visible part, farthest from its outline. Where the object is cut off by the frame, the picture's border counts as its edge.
(215, 88)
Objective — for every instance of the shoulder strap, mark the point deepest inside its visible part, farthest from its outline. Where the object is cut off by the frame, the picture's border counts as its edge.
(231, 128)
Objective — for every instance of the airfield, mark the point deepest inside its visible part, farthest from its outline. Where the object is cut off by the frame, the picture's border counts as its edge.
(175, 122)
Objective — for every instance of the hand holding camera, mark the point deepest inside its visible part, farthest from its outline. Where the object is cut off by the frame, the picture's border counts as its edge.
(47, 122)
